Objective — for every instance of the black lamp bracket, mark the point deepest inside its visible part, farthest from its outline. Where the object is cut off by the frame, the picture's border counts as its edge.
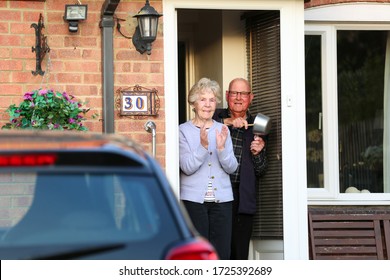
(41, 46)
(118, 27)
(139, 44)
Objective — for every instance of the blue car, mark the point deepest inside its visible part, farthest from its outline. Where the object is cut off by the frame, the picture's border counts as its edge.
(78, 195)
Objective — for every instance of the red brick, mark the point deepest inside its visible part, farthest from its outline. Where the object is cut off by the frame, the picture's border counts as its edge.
(21, 53)
(27, 5)
(94, 54)
(71, 66)
(69, 78)
(20, 77)
(11, 65)
(78, 42)
(4, 27)
(5, 77)
(10, 15)
(93, 78)
(10, 40)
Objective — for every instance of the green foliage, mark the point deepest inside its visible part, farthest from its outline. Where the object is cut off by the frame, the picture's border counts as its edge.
(47, 109)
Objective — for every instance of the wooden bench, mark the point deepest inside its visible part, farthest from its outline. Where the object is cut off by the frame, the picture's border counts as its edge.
(351, 236)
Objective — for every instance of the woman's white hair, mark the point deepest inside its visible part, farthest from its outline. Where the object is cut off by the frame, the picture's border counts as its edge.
(200, 86)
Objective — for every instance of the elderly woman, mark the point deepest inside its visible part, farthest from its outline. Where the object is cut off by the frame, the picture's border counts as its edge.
(206, 160)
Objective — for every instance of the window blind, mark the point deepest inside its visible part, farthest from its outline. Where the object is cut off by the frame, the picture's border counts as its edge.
(263, 53)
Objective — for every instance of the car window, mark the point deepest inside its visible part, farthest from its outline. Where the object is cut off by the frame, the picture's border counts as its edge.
(58, 209)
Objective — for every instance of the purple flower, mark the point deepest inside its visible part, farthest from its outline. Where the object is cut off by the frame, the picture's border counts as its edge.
(66, 101)
(65, 95)
(28, 96)
(43, 91)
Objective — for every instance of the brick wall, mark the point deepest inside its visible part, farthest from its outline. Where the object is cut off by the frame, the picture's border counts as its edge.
(74, 63)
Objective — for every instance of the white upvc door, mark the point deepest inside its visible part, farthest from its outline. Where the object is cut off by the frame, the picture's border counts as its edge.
(294, 245)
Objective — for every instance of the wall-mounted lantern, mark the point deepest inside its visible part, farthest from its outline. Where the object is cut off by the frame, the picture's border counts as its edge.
(146, 31)
(73, 14)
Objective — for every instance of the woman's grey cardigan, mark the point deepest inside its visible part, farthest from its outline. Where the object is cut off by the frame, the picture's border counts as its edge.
(198, 166)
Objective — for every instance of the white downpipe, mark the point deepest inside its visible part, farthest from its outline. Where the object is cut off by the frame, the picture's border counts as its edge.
(151, 128)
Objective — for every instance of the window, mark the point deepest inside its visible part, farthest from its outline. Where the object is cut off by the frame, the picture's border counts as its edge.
(347, 112)
(64, 214)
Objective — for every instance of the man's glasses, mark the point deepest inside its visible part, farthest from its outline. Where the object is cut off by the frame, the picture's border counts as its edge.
(244, 94)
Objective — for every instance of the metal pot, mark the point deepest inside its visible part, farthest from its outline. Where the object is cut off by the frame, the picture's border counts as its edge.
(261, 124)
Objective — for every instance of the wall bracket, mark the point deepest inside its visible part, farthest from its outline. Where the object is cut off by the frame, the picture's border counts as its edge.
(41, 46)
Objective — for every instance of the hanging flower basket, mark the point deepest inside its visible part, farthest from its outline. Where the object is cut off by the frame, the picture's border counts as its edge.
(47, 109)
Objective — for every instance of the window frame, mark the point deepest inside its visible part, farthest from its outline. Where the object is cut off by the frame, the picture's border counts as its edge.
(330, 194)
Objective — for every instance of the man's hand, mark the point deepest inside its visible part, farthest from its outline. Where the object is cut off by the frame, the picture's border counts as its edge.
(237, 122)
(257, 145)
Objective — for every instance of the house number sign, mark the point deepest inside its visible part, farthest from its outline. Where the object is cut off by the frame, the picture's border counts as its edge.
(135, 103)
(138, 101)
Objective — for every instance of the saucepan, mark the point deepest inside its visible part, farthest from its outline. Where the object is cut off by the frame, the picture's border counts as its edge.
(261, 124)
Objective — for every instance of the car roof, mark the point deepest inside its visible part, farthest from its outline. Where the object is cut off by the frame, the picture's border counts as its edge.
(33, 139)
(27, 141)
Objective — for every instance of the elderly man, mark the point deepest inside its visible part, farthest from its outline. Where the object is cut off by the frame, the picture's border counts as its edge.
(250, 151)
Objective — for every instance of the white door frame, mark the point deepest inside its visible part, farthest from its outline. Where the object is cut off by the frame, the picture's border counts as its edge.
(292, 100)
